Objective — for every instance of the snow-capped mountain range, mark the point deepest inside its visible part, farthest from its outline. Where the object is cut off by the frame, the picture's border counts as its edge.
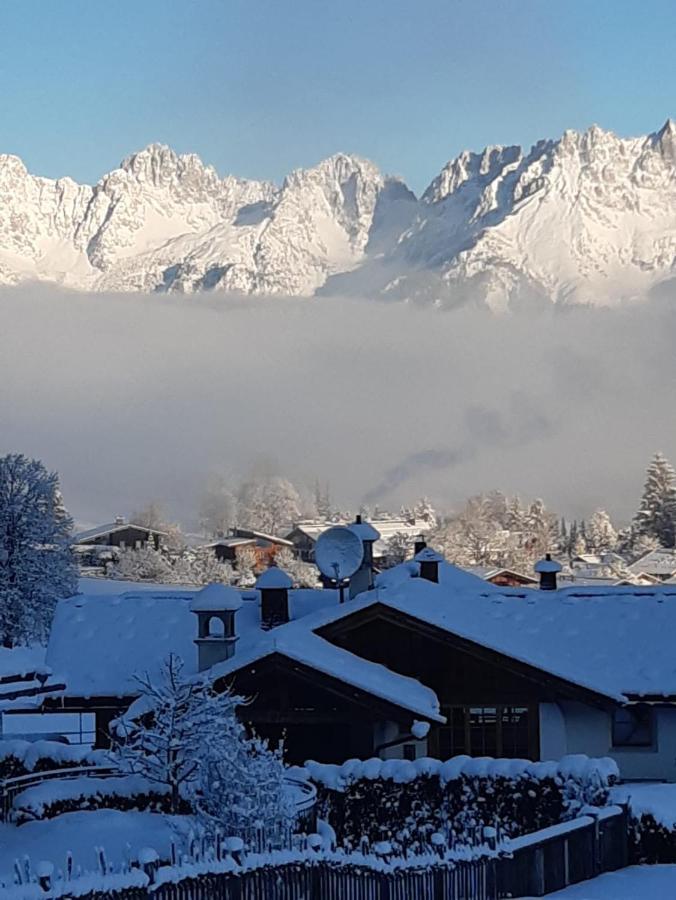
(588, 218)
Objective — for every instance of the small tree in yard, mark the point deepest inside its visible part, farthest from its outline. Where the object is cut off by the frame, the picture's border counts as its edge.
(163, 734)
(36, 563)
(186, 737)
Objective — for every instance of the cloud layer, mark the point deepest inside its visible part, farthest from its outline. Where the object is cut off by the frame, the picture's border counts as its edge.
(133, 398)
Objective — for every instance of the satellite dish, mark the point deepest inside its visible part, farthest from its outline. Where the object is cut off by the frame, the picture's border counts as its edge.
(338, 553)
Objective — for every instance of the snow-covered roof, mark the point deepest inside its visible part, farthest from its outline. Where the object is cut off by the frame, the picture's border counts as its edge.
(660, 562)
(487, 572)
(364, 530)
(216, 598)
(616, 641)
(296, 642)
(98, 642)
(274, 578)
(83, 536)
(229, 542)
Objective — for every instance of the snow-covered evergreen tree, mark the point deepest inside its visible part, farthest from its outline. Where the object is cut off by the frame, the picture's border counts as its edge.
(36, 563)
(218, 509)
(165, 733)
(601, 535)
(657, 513)
(425, 514)
(323, 508)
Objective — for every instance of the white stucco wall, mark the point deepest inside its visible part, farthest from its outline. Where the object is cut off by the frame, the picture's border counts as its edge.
(569, 727)
(391, 731)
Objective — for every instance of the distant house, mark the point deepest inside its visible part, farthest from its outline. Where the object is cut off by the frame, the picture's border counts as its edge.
(502, 576)
(120, 533)
(493, 671)
(97, 547)
(304, 534)
(225, 549)
(660, 563)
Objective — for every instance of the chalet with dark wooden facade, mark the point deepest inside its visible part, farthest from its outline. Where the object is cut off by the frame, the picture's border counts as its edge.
(430, 661)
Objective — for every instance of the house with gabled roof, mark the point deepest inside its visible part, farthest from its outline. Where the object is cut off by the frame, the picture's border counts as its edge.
(488, 670)
(660, 563)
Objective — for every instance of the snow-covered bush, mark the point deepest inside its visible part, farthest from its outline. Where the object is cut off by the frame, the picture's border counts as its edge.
(23, 757)
(405, 802)
(54, 798)
(242, 788)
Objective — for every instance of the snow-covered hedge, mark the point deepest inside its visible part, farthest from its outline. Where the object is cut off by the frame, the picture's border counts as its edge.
(23, 757)
(52, 798)
(405, 802)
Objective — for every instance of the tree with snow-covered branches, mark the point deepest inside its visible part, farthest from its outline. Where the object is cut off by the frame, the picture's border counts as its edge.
(242, 790)
(246, 563)
(657, 513)
(398, 548)
(142, 564)
(36, 563)
(302, 574)
(164, 733)
(268, 504)
(601, 534)
(200, 567)
(184, 736)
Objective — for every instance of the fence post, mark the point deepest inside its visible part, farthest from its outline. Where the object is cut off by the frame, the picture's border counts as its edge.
(538, 872)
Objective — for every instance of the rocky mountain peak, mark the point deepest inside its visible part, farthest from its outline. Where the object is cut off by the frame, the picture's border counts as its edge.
(585, 218)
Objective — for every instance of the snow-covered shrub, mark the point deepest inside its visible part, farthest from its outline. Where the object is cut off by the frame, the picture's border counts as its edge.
(19, 757)
(406, 802)
(651, 842)
(54, 798)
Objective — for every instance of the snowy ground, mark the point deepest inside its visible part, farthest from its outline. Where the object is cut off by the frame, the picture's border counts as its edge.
(635, 883)
(119, 833)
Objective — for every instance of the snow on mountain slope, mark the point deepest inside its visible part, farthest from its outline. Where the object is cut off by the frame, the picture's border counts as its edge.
(588, 218)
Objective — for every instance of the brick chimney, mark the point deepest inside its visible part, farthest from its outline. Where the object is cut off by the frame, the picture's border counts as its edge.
(274, 585)
(215, 607)
(547, 569)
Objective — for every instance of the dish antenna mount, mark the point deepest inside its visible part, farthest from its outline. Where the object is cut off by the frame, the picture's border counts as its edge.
(339, 552)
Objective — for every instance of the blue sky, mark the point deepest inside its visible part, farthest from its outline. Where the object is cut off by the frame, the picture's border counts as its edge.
(259, 87)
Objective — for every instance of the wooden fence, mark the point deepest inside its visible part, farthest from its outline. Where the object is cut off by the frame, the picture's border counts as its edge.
(531, 866)
(554, 858)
